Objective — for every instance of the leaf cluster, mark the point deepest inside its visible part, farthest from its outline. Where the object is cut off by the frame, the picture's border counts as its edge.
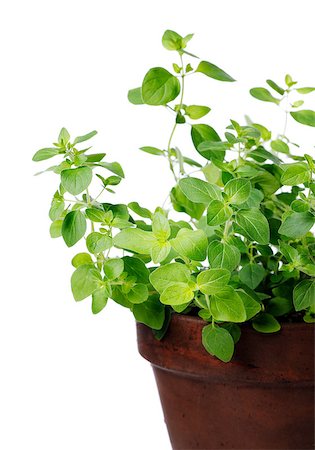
(236, 243)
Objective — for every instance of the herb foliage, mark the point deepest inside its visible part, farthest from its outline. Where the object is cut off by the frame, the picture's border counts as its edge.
(243, 249)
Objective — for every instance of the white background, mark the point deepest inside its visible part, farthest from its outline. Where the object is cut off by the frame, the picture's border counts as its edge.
(70, 380)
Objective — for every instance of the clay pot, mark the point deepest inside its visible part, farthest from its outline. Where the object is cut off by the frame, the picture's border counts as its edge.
(263, 399)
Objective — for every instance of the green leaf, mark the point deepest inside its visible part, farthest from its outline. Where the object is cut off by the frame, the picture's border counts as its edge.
(80, 259)
(218, 342)
(99, 300)
(213, 151)
(177, 294)
(288, 80)
(135, 240)
(114, 167)
(304, 116)
(169, 274)
(45, 153)
(265, 133)
(227, 306)
(252, 306)
(253, 201)
(191, 244)
(159, 334)
(266, 323)
(57, 208)
(98, 242)
(96, 215)
(304, 295)
(275, 87)
(113, 268)
(55, 229)
(85, 137)
(199, 191)
(135, 267)
(218, 212)
(294, 174)
(263, 95)
(138, 294)
(112, 180)
(290, 253)
(159, 87)
(135, 96)
(73, 227)
(297, 104)
(142, 212)
(176, 68)
(260, 154)
(296, 225)
(84, 281)
(279, 306)
(223, 256)
(191, 162)
(213, 71)
(305, 90)
(152, 151)
(160, 226)
(182, 204)
(267, 182)
(300, 206)
(237, 190)
(186, 39)
(213, 281)
(95, 157)
(280, 146)
(196, 112)
(172, 40)
(252, 275)
(64, 137)
(201, 133)
(309, 269)
(254, 225)
(160, 251)
(150, 312)
(77, 180)
(234, 330)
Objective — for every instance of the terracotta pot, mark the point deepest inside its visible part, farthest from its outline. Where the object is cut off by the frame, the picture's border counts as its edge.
(263, 399)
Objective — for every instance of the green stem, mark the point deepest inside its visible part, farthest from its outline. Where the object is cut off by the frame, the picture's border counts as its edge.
(88, 198)
(75, 201)
(286, 98)
(98, 196)
(226, 230)
(175, 125)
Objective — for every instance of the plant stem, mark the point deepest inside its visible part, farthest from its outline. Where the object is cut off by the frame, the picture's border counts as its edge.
(226, 229)
(286, 113)
(98, 196)
(175, 125)
(88, 198)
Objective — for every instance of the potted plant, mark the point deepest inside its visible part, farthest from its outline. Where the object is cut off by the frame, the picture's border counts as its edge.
(230, 258)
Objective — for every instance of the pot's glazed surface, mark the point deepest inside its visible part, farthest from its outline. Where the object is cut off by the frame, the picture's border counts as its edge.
(263, 399)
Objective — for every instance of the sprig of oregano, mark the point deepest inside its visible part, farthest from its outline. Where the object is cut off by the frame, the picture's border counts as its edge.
(243, 251)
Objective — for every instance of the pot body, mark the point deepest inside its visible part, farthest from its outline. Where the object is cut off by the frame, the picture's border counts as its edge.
(263, 399)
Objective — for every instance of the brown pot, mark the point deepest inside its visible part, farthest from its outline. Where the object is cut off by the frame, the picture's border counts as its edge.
(263, 399)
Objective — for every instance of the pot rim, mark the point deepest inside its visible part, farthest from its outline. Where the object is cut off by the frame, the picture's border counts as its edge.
(285, 357)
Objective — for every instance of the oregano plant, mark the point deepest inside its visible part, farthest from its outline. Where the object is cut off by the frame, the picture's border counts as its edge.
(234, 245)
